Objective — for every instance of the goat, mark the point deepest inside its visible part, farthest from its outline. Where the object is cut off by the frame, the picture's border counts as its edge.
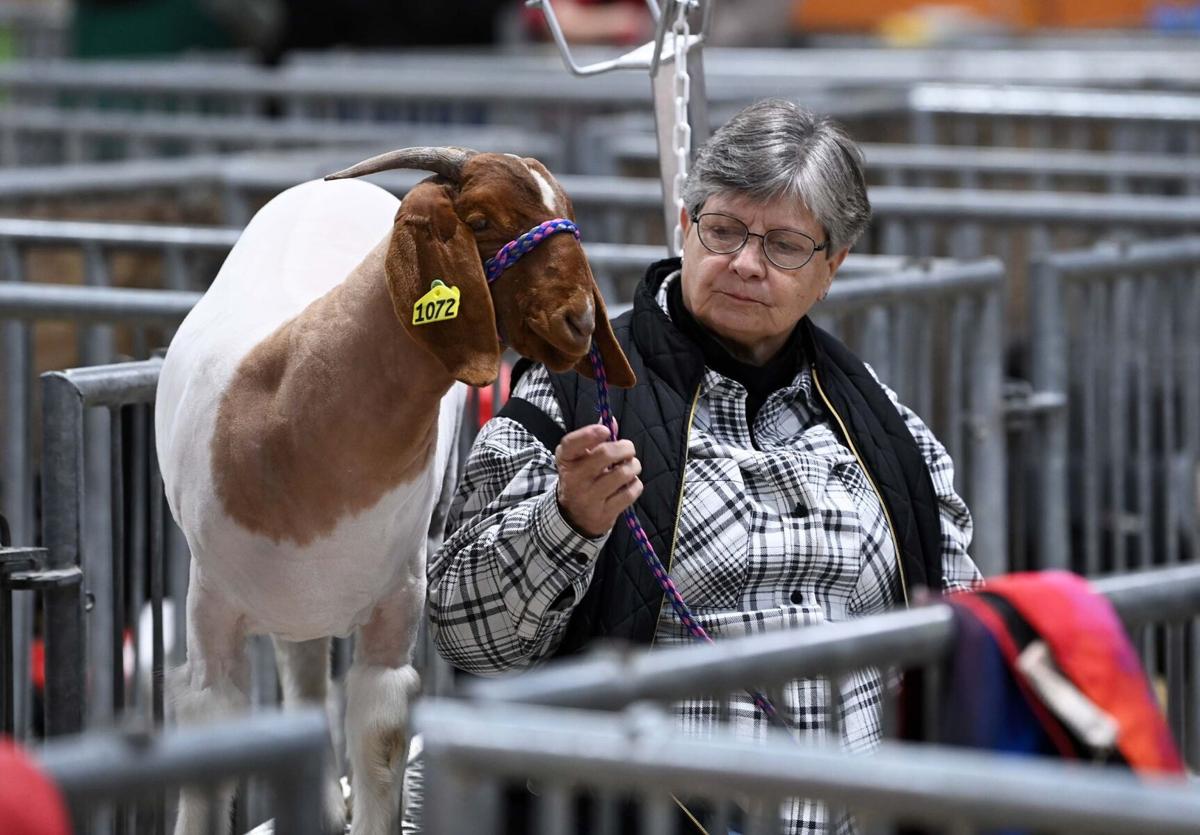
(303, 432)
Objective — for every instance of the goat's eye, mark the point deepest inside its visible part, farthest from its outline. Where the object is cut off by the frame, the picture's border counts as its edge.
(478, 224)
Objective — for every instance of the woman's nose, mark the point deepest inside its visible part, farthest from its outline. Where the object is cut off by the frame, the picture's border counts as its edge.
(749, 261)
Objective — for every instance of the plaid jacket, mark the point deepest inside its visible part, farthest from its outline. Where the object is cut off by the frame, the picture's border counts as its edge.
(502, 587)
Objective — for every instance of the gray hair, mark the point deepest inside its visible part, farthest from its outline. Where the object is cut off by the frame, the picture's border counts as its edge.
(775, 148)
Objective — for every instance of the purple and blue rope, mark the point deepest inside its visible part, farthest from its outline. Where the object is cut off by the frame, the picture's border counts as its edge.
(508, 255)
(512, 251)
(682, 611)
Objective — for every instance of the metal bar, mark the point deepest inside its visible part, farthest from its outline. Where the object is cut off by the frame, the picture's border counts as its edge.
(1091, 382)
(1048, 373)
(610, 681)
(912, 781)
(16, 480)
(1191, 739)
(1135, 257)
(62, 503)
(94, 304)
(986, 437)
(1119, 431)
(1174, 669)
(113, 385)
(99, 767)
(1145, 326)
(138, 546)
(7, 669)
(1167, 350)
(1155, 596)
(117, 563)
(156, 559)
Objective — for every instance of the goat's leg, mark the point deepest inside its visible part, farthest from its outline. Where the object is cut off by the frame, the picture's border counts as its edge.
(212, 684)
(304, 675)
(379, 688)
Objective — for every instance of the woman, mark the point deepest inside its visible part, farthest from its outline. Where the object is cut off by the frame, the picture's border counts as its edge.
(782, 484)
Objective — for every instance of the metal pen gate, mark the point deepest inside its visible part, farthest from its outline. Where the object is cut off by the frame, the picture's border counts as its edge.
(1166, 600)
(633, 767)
(134, 776)
(1114, 331)
(540, 725)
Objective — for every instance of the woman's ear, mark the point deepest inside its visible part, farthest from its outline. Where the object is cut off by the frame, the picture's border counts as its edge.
(835, 261)
(429, 243)
(833, 264)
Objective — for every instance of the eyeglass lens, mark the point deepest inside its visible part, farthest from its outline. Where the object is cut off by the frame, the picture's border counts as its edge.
(784, 248)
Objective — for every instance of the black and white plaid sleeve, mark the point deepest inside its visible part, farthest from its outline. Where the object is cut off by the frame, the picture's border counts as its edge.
(504, 583)
(958, 569)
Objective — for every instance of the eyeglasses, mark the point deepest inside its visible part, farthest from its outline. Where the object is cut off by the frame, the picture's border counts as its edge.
(785, 248)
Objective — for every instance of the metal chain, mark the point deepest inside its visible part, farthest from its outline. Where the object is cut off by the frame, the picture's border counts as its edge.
(683, 129)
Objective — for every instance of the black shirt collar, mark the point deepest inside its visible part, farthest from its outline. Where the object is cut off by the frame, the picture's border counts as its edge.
(759, 380)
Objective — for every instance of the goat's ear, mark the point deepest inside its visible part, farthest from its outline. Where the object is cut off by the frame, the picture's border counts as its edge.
(616, 366)
(429, 242)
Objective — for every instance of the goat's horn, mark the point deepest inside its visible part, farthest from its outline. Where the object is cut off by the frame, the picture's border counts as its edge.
(447, 162)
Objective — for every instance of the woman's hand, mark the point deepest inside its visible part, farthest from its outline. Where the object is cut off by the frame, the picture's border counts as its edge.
(597, 479)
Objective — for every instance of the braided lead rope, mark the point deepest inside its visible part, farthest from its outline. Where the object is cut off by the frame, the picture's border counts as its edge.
(665, 582)
(508, 255)
(512, 251)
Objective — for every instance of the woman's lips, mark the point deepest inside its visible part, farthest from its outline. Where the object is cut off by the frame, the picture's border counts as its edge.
(739, 298)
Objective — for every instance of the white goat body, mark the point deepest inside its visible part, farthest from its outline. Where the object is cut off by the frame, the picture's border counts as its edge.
(300, 246)
(297, 249)
(306, 417)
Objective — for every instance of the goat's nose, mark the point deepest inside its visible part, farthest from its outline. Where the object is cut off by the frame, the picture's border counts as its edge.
(582, 322)
(574, 328)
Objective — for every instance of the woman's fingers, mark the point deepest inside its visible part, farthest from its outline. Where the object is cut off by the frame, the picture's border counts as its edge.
(597, 478)
(617, 476)
(578, 443)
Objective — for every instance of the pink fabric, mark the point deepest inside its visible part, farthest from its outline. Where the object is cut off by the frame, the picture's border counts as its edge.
(1089, 644)
(30, 804)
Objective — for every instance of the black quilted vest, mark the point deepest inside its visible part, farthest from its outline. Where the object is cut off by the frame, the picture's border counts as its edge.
(623, 600)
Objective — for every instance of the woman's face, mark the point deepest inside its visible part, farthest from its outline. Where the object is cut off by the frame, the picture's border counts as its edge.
(750, 304)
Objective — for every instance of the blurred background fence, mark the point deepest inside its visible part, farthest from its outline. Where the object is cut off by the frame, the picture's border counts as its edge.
(1028, 283)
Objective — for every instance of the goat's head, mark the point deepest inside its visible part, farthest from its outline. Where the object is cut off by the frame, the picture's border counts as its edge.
(546, 306)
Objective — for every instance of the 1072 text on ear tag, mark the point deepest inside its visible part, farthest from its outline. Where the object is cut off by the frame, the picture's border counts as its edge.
(438, 305)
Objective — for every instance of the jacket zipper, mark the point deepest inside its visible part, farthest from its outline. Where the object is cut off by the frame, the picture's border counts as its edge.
(687, 441)
(854, 450)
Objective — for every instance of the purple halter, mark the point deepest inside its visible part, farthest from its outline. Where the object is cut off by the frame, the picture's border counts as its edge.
(512, 251)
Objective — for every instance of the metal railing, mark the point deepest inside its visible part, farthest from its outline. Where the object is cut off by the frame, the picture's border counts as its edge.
(138, 774)
(917, 324)
(20, 306)
(935, 335)
(315, 83)
(1114, 329)
(633, 767)
(99, 483)
(137, 534)
(1066, 117)
(922, 222)
(910, 221)
(48, 136)
(971, 167)
(1167, 600)
(17, 567)
(187, 257)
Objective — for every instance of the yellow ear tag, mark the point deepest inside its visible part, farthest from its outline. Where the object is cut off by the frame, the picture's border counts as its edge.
(438, 305)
